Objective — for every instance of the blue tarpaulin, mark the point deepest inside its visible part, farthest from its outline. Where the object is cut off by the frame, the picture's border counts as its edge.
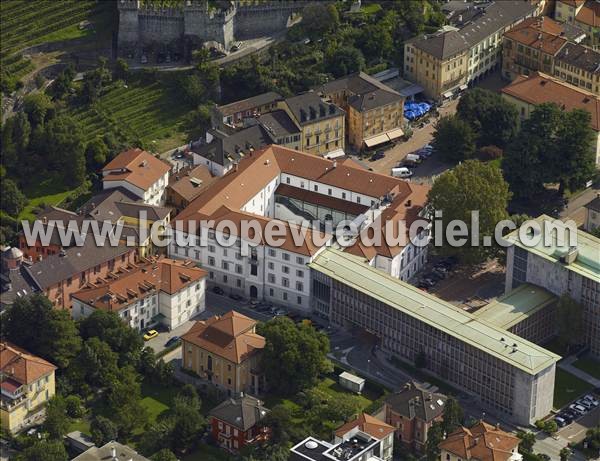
(414, 110)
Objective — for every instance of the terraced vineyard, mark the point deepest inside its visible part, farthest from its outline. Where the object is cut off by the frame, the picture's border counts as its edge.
(137, 111)
(27, 23)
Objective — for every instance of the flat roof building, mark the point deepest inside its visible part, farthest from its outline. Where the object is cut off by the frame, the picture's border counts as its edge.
(509, 374)
(563, 260)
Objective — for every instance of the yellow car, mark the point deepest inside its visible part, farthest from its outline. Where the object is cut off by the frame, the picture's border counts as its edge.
(150, 334)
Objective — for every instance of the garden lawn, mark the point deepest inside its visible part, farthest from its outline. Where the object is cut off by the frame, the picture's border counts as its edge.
(49, 191)
(207, 453)
(157, 399)
(589, 366)
(80, 424)
(568, 387)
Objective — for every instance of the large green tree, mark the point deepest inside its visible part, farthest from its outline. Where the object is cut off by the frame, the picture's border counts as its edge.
(344, 60)
(12, 199)
(32, 323)
(56, 423)
(44, 450)
(294, 355)
(470, 187)
(435, 435)
(453, 139)
(453, 416)
(494, 120)
(103, 430)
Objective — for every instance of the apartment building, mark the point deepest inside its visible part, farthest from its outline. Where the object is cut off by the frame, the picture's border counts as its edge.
(550, 260)
(374, 111)
(139, 172)
(60, 275)
(155, 291)
(528, 92)
(580, 66)
(225, 351)
(236, 423)
(583, 14)
(364, 423)
(187, 184)
(294, 190)
(482, 442)
(27, 383)
(447, 61)
(321, 123)
(411, 411)
(506, 374)
(232, 115)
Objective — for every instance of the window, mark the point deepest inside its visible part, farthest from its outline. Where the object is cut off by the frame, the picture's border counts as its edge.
(271, 278)
(271, 266)
(211, 248)
(299, 286)
(329, 191)
(287, 180)
(299, 273)
(224, 279)
(238, 283)
(224, 265)
(316, 188)
(285, 296)
(285, 282)
(299, 299)
(271, 292)
(238, 269)
(299, 260)
(286, 270)
(286, 257)
(272, 252)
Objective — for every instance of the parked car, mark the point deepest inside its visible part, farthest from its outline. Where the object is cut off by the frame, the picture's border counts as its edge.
(172, 341)
(279, 313)
(560, 422)
(424, 153)
(218, 290)
(236, 297)
(377, 156)
(584, 403)
(578, 409)
(150, 334)
(401, 172)
(591, 399)
(411, 160)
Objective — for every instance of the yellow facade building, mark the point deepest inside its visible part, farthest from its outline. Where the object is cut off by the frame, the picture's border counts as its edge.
(321, 123)
(225, 351)
(584, 14)
(374, 111)
(27, 385)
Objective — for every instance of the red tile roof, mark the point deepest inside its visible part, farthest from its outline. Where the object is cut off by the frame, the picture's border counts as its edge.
(539, 32)
(20, 366)
(539, 88)
(136, 167)
(589, 14)
(230, 336)
(367, 424)
(482, 442)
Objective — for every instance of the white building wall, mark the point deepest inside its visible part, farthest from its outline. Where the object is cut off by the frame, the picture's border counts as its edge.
(325, 189)
(154, 195)
(263, 203)
(181, 306)
(213, 167)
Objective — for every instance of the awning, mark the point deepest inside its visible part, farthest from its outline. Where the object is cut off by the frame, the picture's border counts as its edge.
(335, 154)
(448, 94)
(375, 140)
(396, 133)
(463, 87)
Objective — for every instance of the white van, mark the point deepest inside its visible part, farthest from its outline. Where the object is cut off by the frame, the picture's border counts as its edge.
(401, 172)
(412, 159)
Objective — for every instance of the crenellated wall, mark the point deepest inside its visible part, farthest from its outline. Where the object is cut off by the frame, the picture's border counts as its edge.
(142, 24)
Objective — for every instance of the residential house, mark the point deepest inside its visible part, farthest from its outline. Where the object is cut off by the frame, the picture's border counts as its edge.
(359, 447)
(297, 190)
(321, 123)
(60, 275)
(158, 290)
(281, 128)
(447, 61)
(187, 184)
(236, 422)
(554, 263)
(232, 115)
(110, 451)
(374, 111)
(225, 351)
(412, 411)
(592, 215)
(584, 14)
(528, 92)
(140, 172)
(482, 442)
(27, 385)
(367, 424)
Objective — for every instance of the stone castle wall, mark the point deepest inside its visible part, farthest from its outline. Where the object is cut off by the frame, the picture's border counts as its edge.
(140, 25)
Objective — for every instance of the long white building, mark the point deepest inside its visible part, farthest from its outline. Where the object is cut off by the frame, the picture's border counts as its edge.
(280, 186)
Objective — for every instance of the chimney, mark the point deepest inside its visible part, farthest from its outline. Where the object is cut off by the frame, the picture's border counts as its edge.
(113, 452)
(45, 219)
(408, 203)
(335, 164)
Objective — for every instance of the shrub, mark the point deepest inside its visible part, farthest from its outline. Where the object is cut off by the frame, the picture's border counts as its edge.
(75, 408)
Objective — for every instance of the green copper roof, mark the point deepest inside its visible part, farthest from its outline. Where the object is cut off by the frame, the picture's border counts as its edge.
(356, 273)
(587, 262)
(516, 306)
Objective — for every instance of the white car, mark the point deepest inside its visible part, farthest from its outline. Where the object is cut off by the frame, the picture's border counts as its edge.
(592, 400)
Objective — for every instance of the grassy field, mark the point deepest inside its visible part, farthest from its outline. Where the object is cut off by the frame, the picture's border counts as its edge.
(137, 110)
(28, 23)
(207, 453)
(588, 365)
(568, 387)
(49, 191)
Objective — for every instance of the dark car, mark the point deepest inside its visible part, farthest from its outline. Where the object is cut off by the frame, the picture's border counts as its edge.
(172, 341)
(377, 156)
(218, 290)
(236, 297)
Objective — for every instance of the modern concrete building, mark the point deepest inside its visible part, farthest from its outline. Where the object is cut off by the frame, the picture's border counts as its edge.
(367, 424)
(507, 374)
(563, 260)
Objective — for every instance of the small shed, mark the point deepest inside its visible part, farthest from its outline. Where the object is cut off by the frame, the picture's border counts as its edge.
(352, 382)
